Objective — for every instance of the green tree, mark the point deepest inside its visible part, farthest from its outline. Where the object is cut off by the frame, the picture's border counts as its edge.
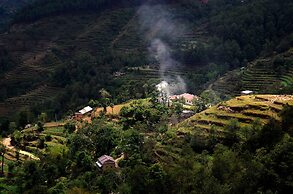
(70, 127)
(43, 117)
(22, 119)
(40, 126)
(96, 139)
(2, 153)
(105, 99)
(157, 179)
(41, 143)
(287, 121)
(177, 108)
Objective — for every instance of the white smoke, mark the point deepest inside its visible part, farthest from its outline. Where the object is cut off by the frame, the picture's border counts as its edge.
(158, 26)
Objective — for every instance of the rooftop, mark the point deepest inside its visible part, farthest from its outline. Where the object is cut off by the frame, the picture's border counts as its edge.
(85, 110)
(247, 92)
(186, 96)
(101, 160)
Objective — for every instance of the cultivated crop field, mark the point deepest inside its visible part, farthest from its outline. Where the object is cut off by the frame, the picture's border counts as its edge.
(244, 109)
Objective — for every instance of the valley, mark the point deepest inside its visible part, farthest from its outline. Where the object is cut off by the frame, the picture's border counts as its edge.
(146, 96)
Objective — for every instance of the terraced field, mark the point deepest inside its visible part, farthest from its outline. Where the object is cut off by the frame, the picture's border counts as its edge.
(144, 74)
(224, 90)
(244, 109)
(260, 76)
(55, 145)
(38, 95)
(49, 43)
(287, 79)
(100, 34)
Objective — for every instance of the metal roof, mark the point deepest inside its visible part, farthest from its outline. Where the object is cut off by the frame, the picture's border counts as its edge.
(85, 110)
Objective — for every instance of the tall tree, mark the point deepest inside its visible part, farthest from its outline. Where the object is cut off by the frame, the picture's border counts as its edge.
(105, 98)
(2, 152)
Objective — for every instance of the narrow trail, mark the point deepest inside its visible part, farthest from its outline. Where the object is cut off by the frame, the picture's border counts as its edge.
(7, 143)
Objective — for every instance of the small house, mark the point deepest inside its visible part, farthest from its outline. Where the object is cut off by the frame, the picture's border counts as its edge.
(78, 115)
(106, 162)
(247, 92)
(188, 98)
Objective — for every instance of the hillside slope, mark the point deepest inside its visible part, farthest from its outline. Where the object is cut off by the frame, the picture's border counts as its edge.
(8, 8)
(244, 109)
(61, 50)
(268, 75)
(76, 48)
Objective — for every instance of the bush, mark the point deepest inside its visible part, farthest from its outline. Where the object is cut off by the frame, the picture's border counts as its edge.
(48, 138)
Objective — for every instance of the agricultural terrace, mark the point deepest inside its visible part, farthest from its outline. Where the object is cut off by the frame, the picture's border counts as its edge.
(244, 109)
(31, 143)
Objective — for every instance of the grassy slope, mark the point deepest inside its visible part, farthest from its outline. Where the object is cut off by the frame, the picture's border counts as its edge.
(245, 109)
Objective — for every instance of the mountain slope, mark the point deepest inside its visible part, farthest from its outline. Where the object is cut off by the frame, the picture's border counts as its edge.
(269, 75)
(77, 46)
(8, 8)
(244, 109)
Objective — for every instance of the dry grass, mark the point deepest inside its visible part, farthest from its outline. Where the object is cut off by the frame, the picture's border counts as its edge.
(115, 111)
(245, 109)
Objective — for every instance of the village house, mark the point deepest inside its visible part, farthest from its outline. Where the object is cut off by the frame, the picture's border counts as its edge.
(247, 92)
(78, 115)
(187, 98)
(106, 162)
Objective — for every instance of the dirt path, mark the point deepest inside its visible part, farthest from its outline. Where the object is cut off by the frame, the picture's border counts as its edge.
(7, 143)
(119, 159)
(54, 124)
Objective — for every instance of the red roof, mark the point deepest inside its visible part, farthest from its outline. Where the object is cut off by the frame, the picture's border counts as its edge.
(105, 158)
(186, 96)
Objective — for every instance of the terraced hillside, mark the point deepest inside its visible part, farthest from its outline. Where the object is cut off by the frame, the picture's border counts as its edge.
(244, 109)
(43, 47)
(260, 76)
(39, 95)
(268, 75)
(78, 51)
(54, 143)
(134, 38)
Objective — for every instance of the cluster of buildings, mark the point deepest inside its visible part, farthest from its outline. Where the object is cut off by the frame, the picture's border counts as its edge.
(187, 98)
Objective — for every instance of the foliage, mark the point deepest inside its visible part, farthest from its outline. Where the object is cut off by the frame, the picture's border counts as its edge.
(95, 139)
(257, 159)
(70, 127)
(156, 158)
(142, 115)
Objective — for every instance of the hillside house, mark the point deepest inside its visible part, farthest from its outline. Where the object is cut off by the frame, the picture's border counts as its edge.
(246, 92)
(187, 98)
(78, 115)
(106, 162)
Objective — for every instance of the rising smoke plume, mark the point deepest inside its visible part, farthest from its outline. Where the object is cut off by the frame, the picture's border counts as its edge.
(160, 30)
